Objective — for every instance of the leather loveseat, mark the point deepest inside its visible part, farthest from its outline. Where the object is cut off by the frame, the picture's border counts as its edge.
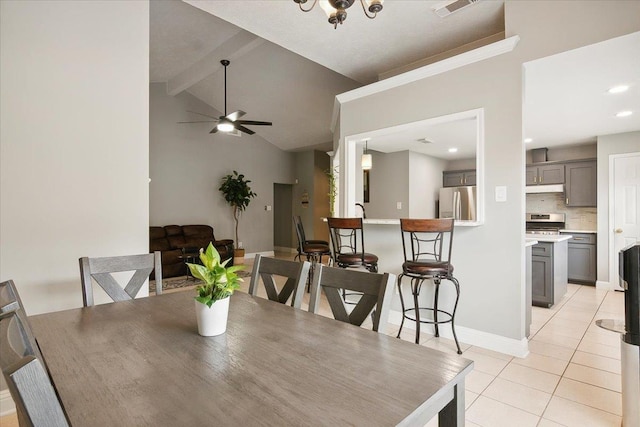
(175, 240)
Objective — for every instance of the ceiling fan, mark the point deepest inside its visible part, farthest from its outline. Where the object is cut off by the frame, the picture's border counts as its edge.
(229, 123)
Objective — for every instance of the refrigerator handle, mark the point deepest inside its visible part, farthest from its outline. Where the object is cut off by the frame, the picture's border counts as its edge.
(457, 208)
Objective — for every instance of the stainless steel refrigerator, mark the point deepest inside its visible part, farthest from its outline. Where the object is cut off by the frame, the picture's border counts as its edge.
(458, 203)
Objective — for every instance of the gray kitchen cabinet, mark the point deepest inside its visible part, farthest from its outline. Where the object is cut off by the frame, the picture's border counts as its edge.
(542, 275)
(581, 188)
(458, 178)
(545, 174)
(582, 258)
(548, 273)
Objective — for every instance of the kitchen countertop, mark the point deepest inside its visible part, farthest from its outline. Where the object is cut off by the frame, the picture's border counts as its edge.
(529, 242)
(579, 231)
(549, 238)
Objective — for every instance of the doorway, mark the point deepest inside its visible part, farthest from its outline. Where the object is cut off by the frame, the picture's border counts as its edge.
(624, 207)
(283, 217)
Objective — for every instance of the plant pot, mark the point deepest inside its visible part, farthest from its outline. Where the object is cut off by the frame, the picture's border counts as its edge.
(212, 320)
(238, 256)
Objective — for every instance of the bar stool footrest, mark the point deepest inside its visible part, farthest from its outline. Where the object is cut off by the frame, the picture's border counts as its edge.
(431, 322)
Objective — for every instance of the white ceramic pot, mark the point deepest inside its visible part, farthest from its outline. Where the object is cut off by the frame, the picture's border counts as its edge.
(212, 321)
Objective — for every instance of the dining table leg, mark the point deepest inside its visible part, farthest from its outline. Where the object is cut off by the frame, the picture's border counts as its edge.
(452, 415)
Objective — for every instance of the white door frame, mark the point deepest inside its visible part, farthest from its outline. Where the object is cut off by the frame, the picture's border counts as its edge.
(613, 275)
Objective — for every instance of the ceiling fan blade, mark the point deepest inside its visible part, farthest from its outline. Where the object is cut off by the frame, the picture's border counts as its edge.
(235, 115)
(253, 122)
(244, 129)
(203, 121)
(205, 115)
(214, 130)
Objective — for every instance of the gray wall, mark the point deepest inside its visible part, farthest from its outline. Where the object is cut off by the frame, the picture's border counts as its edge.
(389, 184)
(187, 165)
(607, 145)
(494, 301)
(282, 216)
(425, 181)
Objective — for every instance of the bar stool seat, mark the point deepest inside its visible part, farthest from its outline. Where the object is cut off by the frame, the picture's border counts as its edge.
(425, 259)
(356, 259)
(426, 268)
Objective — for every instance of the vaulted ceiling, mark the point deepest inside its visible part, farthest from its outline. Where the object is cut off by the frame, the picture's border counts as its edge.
(288, 66)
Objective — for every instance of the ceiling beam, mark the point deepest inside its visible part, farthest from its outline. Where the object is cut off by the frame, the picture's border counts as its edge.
(237, 46)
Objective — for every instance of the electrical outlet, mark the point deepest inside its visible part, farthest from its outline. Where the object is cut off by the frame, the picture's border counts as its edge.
(267, 208)
(239, 245)
(399, 205)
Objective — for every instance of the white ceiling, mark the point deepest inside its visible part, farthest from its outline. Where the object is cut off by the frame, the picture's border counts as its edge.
(296, 91)
(565, 95)
(566, 100)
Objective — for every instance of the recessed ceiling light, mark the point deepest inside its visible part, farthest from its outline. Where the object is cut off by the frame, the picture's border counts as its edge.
(453, 150)
(528, 140)
(624, 114)
(618, 89)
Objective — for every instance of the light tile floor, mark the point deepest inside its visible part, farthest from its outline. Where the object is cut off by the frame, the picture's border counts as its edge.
(570, 378)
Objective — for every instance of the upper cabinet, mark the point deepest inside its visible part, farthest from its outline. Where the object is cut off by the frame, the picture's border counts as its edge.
(545, 174)
(458, 178)
(581, 186)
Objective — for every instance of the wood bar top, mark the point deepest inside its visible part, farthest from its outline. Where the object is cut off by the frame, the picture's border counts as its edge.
(142, 363)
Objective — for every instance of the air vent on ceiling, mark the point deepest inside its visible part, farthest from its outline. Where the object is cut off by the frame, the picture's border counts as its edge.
(446, 8)
(424, 141)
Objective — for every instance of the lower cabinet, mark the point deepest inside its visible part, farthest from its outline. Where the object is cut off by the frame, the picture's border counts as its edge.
(542, 275)
(548, 273)
(582, 258)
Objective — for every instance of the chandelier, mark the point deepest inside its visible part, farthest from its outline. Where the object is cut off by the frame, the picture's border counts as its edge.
(336, 10)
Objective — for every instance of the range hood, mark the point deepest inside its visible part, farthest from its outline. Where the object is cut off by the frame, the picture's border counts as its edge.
(555, 188)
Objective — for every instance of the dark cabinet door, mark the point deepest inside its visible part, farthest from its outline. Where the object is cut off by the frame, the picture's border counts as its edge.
(581, 184)
(551, 174)
(541, 281)
(470, 178)
(452, 179)
(532, 175)
(582, 263)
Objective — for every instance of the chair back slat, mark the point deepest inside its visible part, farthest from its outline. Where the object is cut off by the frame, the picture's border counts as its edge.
(101, 269)
(266, 269)
(34, 396)
(376, 292)
(17, 340)
(9, 298)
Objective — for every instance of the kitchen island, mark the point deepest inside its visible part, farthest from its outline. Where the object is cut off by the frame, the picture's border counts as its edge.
(549, 268)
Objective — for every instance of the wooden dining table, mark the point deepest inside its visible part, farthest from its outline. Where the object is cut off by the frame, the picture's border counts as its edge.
(142, 363)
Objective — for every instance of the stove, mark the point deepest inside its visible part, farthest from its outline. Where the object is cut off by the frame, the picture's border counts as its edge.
(544, 223)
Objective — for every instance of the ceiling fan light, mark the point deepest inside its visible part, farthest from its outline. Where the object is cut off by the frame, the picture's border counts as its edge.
(367, 161)
(225, 127)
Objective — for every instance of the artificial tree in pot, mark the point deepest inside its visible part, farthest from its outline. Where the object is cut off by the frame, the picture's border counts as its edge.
(238, 194)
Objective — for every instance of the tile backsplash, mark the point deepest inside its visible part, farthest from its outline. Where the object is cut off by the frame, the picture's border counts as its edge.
(576, 218)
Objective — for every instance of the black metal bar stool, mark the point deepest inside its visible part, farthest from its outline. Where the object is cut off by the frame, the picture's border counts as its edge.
(423, 260)
(347, 247)
(313, 250)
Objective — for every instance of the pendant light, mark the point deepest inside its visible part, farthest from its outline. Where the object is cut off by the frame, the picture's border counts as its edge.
(367, 159)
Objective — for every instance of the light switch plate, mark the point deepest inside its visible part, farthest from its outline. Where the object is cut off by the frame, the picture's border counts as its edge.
(501, 193)
(399, 205)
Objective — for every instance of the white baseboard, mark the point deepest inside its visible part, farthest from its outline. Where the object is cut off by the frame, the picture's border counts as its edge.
(605, 286)
(6, 403)
(513, 347)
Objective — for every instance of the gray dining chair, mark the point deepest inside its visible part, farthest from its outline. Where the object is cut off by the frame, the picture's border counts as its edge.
(101, 269)
(268, 269)
(10, 302)
(9, 298)
(376, 290)
(27, 379)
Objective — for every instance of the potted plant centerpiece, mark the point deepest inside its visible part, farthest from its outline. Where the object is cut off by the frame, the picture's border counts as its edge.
(238, 194)
(212, 301)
